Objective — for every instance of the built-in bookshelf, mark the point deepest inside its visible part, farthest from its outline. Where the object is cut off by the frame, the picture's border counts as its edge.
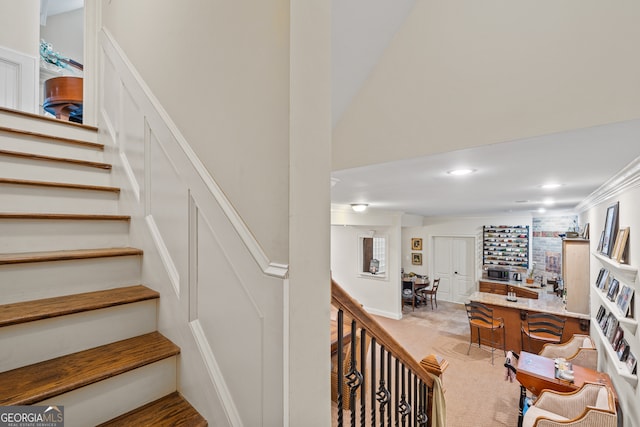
(615, 318)
(506, 245)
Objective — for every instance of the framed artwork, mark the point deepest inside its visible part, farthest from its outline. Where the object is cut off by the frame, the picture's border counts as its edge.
(601, 242)
(601, 313)
(631, 362)
(602, 279)
(416, 259)
(617, 339)
(585, 231)
(610, 229)
(624, 299)
(416, 244)
(612, 293)
(621, 244)
(623, 350)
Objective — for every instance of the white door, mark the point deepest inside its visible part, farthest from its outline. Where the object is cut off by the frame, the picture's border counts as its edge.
(454, 264)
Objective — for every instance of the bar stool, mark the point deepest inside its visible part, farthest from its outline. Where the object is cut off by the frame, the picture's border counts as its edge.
(481, 317)
(542, 327)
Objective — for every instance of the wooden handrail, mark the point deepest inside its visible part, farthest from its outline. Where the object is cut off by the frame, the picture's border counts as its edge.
(341, 299)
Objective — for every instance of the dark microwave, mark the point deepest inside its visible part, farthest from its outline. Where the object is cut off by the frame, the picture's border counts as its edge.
(497, 274)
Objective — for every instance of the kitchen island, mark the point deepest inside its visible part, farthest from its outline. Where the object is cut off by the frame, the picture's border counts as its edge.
(513, 312)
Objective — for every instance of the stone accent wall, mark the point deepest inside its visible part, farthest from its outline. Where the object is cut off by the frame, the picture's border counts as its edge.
(546, 244)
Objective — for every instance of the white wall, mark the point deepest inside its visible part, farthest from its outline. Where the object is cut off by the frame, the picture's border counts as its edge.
(241, 89)
(221, 71)
(629, 215)
(19, 54)
(378, 295)
(65, 32)
(19, 26)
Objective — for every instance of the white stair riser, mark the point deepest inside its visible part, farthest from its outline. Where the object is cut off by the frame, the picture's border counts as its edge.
(25, 198)
(33, 342)
(44, 147)
(102, 401)
(49, 235)
(40, 170)
(48, 127)
(24, 282)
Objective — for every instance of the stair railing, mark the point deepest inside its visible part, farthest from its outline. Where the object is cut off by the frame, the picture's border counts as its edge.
(391, 389)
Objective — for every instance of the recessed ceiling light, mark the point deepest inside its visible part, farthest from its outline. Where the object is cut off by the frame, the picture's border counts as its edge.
(359, 207)
(548, 202)
(460, 172)
(550, 186)
(541, 210)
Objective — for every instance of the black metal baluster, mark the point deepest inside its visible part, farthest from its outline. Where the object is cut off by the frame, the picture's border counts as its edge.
(340, 361)
(416, 404)
(382, 395)
(390, 413)
(373, 382)
(363, 372)
(354, 378)
(422, 415)
(404, 407)
(396, 393)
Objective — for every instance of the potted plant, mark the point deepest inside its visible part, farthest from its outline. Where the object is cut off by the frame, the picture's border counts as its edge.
(530, 276)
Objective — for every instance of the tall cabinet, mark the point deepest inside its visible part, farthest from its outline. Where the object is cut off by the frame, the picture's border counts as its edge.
(575, 274)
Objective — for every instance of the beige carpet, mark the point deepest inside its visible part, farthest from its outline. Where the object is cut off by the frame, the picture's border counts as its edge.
(476, 392)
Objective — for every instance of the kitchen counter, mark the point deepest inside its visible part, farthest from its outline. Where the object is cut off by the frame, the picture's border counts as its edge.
(513, 312)
(547, 303)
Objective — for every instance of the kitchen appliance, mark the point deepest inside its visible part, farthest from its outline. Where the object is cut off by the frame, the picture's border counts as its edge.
(497, 274)
(517, 277)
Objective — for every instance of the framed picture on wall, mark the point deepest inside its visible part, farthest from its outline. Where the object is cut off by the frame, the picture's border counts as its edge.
(416, 244)
(610, 229)
(416, 259)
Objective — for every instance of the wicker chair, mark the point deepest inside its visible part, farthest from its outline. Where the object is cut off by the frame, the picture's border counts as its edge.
(592, 405)
(579, 350)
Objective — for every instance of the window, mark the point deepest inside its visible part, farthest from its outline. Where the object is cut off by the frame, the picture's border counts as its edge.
(373, 255)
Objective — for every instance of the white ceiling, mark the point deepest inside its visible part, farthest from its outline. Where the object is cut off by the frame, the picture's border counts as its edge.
(508, 176)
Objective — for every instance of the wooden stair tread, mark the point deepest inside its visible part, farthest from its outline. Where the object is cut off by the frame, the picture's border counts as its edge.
(26, 257)
(28, 311)
(59, 185)
(31, 384)
(171, 410)
(59, 139)
(47, 119)
(63, 216)
(31, 156)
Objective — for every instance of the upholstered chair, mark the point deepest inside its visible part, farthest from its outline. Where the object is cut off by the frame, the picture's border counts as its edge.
(579, 350)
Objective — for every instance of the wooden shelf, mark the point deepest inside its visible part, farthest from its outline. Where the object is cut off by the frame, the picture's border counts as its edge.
(620, 367)
(506, 245)
(627, 273)
(629, 323)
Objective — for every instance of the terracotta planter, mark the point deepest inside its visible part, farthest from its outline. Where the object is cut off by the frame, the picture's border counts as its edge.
(529, 281)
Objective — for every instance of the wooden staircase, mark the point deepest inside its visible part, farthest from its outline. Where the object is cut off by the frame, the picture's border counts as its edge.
(76, 329)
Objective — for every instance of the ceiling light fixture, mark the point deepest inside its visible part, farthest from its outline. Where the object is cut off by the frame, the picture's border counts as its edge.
(461, 172)
(541, 210)
(548, 202)
(359, 207)
(550, 186)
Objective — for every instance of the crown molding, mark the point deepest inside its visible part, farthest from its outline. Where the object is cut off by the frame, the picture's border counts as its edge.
(626, 179)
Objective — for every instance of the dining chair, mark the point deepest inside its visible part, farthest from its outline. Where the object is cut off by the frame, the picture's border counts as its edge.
(481, 318)
(408, 294)
(430, 293)
(541, 327)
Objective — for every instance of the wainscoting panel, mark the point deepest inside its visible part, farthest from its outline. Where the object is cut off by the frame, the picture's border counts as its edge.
(221, 298)
(18, 81)
(169, 207)
(231, 322)
(132, 141)
(110, 92)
